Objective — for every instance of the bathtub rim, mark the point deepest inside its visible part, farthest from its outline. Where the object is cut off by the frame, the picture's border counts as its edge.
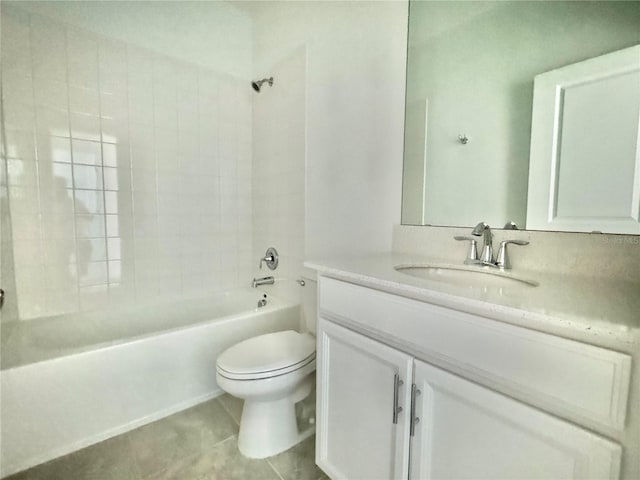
(275, 304)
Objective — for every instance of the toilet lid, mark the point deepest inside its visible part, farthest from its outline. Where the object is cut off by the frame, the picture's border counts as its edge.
(268, 355)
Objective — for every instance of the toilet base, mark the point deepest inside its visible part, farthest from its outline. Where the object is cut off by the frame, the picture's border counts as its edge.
(269, 427)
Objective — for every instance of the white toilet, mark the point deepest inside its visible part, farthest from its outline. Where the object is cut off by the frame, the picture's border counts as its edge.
(271, 373)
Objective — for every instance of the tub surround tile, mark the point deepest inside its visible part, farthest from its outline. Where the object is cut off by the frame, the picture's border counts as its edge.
(97, 103)
(276, 176)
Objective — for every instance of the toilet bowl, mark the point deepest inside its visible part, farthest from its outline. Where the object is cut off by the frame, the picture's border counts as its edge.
(271, 373)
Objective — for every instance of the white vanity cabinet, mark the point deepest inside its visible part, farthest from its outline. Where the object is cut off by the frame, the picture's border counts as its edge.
(468, 431)
(363, 383)
(452, 425)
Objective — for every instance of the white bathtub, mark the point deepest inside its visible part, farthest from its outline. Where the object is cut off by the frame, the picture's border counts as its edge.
(72, 381)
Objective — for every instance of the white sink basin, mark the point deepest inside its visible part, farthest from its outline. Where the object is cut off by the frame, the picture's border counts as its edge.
(465, 276)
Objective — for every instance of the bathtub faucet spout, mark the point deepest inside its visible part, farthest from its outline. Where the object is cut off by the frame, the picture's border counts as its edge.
(263, 281)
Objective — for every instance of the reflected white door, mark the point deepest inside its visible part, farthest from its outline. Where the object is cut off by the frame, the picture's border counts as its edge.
(584, 172)
(466, 431)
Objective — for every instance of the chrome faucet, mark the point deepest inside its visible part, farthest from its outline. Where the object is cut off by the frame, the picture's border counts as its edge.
(486, 258)
(263, 281)
(484, 230)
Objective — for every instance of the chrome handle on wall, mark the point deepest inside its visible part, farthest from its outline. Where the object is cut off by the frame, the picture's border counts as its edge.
(270, 259)
(1, 297)
(414, 420)
(397, 383)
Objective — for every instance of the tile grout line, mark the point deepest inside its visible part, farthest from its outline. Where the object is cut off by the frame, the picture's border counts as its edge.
(99, 58)
(193, 456)
(224, 407)
(217, 444)
(274, 469)
(36, 150)
(72, 160)
(154, 474)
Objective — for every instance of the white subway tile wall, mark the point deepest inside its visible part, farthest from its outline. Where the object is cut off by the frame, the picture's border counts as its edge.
(129, 172)
(279, 167)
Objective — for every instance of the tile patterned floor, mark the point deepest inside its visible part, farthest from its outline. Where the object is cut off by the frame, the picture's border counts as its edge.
(195, 444)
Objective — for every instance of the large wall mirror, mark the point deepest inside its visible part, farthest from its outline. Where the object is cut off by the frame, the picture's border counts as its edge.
(524, 112)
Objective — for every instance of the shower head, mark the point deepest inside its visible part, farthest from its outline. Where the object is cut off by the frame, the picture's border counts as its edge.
(256, 85)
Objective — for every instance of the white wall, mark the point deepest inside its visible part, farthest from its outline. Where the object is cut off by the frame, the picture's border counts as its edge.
(210, 34)
(129, 171)
(355, 83)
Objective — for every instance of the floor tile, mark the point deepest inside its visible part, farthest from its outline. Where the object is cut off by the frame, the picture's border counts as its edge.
(298, 463)
(233, 405)
(108, 460)
(222, 462)
(186, 434)
(197, 444)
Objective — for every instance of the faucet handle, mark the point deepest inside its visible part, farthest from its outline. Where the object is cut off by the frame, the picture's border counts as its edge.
(472, 254)
(270, 258)
(515, 242)
(502, 262)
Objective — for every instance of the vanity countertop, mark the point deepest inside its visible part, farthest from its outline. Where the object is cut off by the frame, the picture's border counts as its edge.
(600, 311)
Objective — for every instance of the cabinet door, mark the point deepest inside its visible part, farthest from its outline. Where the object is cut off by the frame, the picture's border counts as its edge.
(356, 437)
(468, 431)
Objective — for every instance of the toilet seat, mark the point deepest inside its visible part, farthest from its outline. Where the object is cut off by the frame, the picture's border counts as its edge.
(267, 356)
